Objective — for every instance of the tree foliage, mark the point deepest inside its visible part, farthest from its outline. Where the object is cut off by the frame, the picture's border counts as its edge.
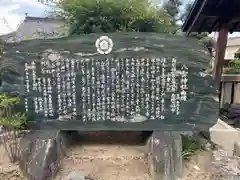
(172, 8)
(93, 16)
(187, 9)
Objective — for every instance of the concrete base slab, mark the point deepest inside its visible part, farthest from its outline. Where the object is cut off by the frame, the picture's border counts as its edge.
(225, 136)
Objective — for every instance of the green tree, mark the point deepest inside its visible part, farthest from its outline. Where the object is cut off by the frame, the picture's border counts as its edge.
(187, 9)
(93, 16)
(10, 120)
(172, 8)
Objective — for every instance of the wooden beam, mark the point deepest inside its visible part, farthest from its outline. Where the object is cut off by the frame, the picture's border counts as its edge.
(220, 53)
(218, 4)
(214, 25)
(234, 20)
(201, 25)
(233, 27)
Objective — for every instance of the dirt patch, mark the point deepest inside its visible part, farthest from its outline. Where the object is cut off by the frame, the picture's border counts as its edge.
(102, 156)
(122, 161)
(101, 162)
(8, 171)
(198, 167)
(102, 159)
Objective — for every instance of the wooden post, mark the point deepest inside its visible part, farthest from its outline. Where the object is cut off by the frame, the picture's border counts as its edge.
(165, 155)
(220, 53)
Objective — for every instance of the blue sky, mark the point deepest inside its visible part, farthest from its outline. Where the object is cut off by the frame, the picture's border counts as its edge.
(12, 13)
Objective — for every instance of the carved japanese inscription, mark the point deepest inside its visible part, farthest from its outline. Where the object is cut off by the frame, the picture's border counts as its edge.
(110, 89)
(112, 83)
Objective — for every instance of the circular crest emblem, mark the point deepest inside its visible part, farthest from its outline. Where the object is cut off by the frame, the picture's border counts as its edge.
(104, 45)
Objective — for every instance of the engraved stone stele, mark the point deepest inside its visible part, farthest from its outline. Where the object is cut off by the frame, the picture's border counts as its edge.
(130, 81)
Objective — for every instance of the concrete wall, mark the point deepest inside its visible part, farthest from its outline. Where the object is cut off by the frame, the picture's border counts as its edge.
(230, 51)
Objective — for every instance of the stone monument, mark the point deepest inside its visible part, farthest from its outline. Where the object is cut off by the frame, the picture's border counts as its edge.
(116, 81)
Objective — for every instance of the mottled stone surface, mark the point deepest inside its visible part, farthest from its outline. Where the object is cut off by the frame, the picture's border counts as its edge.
(41, 153)
(75, 176)
(225, 165)
(165, 155)
(200, 111)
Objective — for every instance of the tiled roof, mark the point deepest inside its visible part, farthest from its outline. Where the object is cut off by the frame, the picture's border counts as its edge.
(38, 28)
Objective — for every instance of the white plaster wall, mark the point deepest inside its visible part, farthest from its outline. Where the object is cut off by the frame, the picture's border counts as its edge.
(230, 51)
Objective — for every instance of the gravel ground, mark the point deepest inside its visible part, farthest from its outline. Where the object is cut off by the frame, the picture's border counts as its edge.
(226, 166)
(102, 162)
(128, 162)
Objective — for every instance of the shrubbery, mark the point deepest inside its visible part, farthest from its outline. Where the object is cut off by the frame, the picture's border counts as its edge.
(94, 16)
(233, 67)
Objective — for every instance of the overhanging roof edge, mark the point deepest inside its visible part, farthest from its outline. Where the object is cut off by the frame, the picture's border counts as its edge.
(196, 7)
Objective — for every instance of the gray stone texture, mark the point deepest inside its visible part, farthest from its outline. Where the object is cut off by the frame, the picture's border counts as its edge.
(75, 176)
(200, 111)
(41, 153)
(165, 155)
